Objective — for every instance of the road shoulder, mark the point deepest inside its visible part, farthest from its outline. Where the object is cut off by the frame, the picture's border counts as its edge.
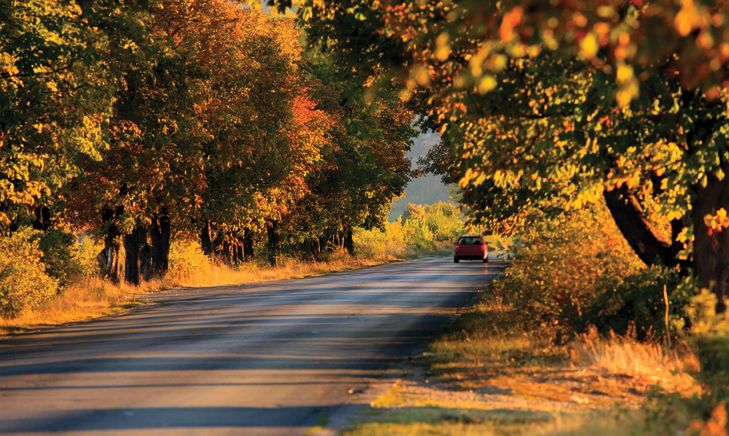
(485, 375)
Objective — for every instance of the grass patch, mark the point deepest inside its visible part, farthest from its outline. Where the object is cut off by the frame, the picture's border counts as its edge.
(448, 421)
(491, 374)
(92, 297)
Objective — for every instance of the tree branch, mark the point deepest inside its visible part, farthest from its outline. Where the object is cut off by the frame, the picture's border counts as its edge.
(638, 231)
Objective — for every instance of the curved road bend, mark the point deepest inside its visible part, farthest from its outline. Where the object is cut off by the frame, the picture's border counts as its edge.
(270, 358)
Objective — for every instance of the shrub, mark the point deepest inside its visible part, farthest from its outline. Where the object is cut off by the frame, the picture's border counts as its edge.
(420, 236)
(421, 230)
(24, 283)
(562, 265)
(638, 305)
(60, 255)
(187, 259)
(710, 340)
(391, 241)
(88, 250)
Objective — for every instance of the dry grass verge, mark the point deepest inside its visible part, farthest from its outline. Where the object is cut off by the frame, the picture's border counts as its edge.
(490, 376)
(93, 297)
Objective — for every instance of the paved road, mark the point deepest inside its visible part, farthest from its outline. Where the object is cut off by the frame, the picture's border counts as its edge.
(271, 358)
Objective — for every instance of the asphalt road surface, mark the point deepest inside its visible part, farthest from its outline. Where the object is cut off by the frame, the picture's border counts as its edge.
(271, 358)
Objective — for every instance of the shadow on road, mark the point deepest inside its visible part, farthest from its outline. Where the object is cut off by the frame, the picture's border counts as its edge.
(281, 354)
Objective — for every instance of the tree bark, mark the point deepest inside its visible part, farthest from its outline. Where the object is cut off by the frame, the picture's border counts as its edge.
(205, 240)
(239, 254)
(146, 266)
(42, 220)
(711, 250)
(160, 232)
(349, 241)
(132, 246)
(248, 245)
(274, 244)
(638, 231)
(108, 258)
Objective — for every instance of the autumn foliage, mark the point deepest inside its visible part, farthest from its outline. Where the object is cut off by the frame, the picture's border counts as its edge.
(142, 123)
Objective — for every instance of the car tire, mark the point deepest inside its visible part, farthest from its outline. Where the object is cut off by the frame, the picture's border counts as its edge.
(456, 260)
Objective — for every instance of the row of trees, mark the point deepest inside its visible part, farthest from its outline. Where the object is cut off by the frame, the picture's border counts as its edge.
(554, 105)
(146, 119)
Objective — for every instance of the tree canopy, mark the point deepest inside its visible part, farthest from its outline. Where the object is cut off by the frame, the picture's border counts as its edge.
(143, 120)
(553, 105)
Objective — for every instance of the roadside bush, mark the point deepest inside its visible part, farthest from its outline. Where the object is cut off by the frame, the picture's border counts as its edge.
(187, 259)
(420, 235)
(60, 255)
(637, 306)
(434, 223)
(421, 230)
(390, 241)
(561, 266)
(710, 340)
(88, 249)
(24, 282)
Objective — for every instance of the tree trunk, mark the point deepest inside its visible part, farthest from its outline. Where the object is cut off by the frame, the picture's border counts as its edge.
(146, 262)
(132, 246)
(239, 254)
(349, 241)
(205, 240)
(108, 258)
(42, 220)
(638, 231)
(248, 245)
(160, 232)
(711, 250)
(274, 245)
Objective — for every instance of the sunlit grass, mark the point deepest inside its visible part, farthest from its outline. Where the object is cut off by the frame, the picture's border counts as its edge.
(490, 374)
(92, 297)
(668, 368)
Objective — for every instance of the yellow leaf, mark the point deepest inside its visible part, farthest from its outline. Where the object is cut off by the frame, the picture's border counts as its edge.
(625, 72)
(442, 47)
(486, 84)
(686, 19)
(421, 75)
(589, 46)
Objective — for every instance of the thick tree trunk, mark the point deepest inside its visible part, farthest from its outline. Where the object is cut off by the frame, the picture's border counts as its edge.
(311, 247)
(248, 245)
(160, 232)
(638, 231)
(132, 246)
(349, 241)
(146, 266)
(239, 254)
(108, 258)
(42, 220)
(205, 240)
(274, 245)
(711, 250)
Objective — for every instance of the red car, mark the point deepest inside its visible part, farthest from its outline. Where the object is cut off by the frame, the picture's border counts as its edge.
(470, 247)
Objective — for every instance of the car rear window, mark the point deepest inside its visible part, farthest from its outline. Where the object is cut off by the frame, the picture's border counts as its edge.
(470, 240)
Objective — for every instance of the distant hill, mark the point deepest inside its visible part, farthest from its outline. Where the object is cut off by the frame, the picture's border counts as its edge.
(427, 189)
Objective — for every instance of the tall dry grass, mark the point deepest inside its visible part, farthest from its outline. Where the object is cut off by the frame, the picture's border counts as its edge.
(92, 297)
(668, 368)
